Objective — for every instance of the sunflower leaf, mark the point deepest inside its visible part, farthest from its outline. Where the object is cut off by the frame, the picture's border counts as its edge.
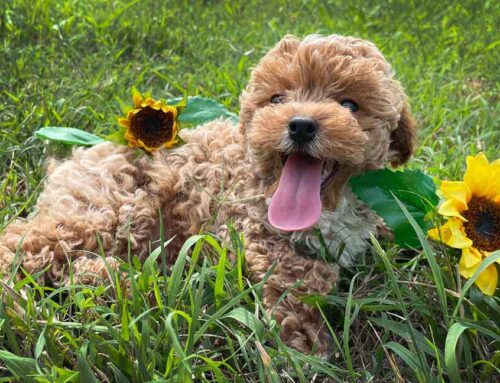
(180, 104)
(70, 136)
(414, 189)
(200, 110)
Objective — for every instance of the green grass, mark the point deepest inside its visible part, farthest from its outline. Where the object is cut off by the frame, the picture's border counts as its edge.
(396, 316)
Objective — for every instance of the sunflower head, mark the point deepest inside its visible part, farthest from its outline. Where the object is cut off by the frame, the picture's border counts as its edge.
(472, 207)
(150, 124)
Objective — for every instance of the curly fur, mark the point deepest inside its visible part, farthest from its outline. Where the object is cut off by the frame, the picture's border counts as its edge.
(226, 172)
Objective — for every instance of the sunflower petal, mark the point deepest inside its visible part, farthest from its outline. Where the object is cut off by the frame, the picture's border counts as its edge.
(452, 208)
(167, 108)
(147, 102)
(465, 271)
(131, 139)
(171, 143)
(471, 258)
(156, 105)
(478, 174)
(457, 190)
(147, 148)
(137, 98)
(458, 238)
(488, 280)
(470, 262)
(434, 233)
(133, 112)
(452, 233)
(125, 122)
(494, 191)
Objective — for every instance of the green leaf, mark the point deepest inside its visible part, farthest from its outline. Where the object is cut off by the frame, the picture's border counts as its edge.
(19, 366)
(65, 376)
(248, 319)
(180, 104)
(40, 344)
(451, 343)
(450, 351)
(119, 376)
(408, 357)
(86, 374)
(402, 330)
(219, 281)
(69, 136)
(413, 188)
(348, 321)
(200, 110)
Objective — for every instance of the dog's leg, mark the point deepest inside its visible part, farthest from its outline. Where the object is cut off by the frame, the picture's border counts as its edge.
(93, 203)
(54, 236)
(302, 326)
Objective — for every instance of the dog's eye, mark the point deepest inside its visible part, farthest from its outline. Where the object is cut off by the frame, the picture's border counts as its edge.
(278, 99)
(346, 103)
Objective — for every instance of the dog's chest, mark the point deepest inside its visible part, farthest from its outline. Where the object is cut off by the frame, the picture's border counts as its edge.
(345, 232)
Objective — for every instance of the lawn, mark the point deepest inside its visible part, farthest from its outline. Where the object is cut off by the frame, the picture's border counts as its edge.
(396, 316)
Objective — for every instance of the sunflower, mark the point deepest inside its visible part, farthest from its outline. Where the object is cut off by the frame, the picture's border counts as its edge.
(151, 124)
(472, 207)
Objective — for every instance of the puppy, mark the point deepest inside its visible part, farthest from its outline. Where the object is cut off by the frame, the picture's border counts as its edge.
(315, 113)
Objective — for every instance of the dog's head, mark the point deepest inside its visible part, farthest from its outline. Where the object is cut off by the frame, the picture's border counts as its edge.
(316, 112)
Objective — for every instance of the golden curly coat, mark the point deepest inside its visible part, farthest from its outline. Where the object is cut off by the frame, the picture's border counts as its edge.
(227, 172)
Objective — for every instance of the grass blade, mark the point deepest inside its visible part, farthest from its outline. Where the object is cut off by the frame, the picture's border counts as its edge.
(21, 367)
(450, 351)
(248, 319)
(407, 356)
(175, 280)
(219, 280)
(348, 319)
(86, 374)
(436, 271)
(424, 368)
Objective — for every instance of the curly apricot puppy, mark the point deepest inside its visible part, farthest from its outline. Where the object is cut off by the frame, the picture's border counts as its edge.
(315, 112)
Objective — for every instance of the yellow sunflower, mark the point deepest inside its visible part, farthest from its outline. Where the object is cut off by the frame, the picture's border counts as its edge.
(472, 207)
(151, 124)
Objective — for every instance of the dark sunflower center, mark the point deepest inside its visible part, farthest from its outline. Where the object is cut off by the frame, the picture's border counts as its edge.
(483, 226)
(153, 123)
(153, 127)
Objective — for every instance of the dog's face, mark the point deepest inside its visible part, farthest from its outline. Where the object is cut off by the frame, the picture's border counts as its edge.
(316, 112)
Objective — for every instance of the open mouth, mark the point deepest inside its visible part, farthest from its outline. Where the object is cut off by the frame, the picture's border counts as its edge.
(328, 172)
(296, 204)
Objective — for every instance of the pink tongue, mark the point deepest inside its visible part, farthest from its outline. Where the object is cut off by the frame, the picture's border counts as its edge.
(296, 205)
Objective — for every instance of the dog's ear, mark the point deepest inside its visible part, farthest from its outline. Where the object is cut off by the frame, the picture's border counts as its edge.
(403, 138)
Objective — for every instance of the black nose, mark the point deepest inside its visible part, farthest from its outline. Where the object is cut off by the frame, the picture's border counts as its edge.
(302, 130)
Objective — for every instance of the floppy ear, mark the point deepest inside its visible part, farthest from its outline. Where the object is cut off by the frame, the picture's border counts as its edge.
(403, 138)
